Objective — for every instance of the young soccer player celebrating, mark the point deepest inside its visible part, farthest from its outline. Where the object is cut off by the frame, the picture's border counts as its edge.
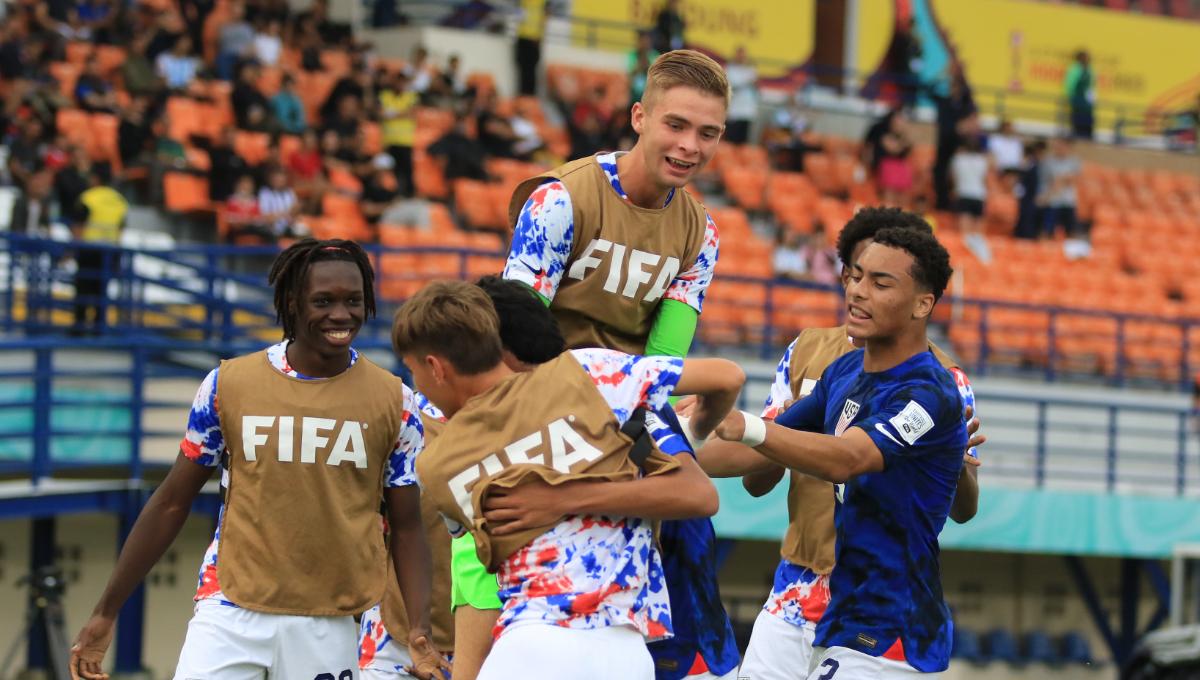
(578, 601)
(311, 437)
(885, 424)
(623, 257)
(782, 640)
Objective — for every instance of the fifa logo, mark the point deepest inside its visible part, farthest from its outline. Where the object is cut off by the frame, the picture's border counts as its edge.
(636, 270)
(315, 435)
(558, 446)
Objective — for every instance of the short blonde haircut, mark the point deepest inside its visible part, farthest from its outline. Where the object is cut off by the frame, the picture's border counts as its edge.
(688, 68)
(451, 319)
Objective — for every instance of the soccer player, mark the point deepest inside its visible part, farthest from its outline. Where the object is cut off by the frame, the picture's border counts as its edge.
(529, 337)
(578, 600)
(623, 257)
(311, 437)
(885, 424)
(781, 643)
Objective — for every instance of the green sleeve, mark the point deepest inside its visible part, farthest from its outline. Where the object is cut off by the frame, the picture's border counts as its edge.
(1071, 79)
(673, 330)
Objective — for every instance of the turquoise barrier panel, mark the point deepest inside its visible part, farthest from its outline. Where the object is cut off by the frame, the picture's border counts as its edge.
(1012, 520)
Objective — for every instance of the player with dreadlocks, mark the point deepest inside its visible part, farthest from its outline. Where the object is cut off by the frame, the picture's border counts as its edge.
(311, 438)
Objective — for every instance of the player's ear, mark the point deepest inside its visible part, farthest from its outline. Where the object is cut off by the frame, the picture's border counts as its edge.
(637, 117)
(437, 368)
(923, 306)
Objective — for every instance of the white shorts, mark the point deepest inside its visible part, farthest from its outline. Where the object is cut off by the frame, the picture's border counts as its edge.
(230, 643)
(840, 663)
(548, 652)
(731, 675)
(778, 650)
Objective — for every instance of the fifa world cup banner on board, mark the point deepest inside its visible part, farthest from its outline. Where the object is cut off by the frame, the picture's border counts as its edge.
(1140, 63)
(777, 35)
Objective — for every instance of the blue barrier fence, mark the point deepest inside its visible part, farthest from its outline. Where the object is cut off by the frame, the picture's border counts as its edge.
(219, 294)
(70, 406)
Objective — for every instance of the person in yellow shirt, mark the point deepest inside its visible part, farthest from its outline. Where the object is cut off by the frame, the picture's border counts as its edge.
(397, 108)
(96, 261)
(529, 44)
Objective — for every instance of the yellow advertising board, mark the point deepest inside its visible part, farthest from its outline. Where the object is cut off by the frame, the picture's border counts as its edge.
(777, 35)
(1022, 47)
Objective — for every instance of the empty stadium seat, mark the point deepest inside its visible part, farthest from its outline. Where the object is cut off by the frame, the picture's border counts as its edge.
(1001, 645)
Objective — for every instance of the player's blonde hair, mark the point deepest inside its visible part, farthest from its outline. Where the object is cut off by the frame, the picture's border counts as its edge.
(451, 319)
(687, 68)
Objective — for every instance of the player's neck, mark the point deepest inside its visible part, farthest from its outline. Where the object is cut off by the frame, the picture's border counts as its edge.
(884, 353)
(315, 364)
(475, 385)
(639, 186)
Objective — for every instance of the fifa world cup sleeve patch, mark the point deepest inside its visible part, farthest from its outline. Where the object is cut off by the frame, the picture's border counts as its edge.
(912, 422)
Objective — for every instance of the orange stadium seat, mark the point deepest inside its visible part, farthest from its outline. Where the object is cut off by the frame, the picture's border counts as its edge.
(253, 147)
(183, 192)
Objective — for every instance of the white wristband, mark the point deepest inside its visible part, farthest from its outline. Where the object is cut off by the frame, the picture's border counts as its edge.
(756, 430)
(693, 441)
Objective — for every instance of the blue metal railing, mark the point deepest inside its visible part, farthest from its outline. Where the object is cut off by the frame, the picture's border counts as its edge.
(67, 401)
(218, 294)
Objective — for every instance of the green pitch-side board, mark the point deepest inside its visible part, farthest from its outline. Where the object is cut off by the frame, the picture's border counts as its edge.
(1012, 520)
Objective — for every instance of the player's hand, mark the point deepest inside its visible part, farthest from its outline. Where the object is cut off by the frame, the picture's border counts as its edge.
(974, 438)
(90, 646)
(427, 662)
(686, 405)
(532, 504)
(733, 428)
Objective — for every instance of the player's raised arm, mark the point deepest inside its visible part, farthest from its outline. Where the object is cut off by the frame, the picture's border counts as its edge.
(834, 459)
(716, 384)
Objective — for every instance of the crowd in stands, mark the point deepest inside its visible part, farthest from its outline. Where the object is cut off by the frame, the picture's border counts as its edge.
(268, 124)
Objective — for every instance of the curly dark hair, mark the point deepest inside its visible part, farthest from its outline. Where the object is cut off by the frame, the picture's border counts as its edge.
(931, 263)
(527, 328)
(290, 271)
(867, 221)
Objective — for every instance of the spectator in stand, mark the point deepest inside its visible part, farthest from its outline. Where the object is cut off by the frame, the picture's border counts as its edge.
(134, 136)
(169, 154)
(895, 170)
(140, 75)
(332, 33)
(528, 47)
(1006, 149)
(954, 111)
(969, 169)
(669, 28)
(1029, 218)
(279, 207)
(306, 168)
(872, 146)
(178, 67)
(287, 107)
(72, 181)
(241, 212)
(347, 119)
(225, 166)
(356, 85)
(93, 93)
(495, 132)
(103, 210)
(641, 57)
(450, 86)
(379, 190)
(251, 109)
(194, 13)
(904, 60)
(268, 10)
(823, 264)
(235, 41)
(99, 17)
(528, 140)
(268, 42)
(1079, 85)
(790, 259)
(743, 104)
(397, 108)
(354, 157)
(31, 210)
(164, 28)
(459, 156)
(420, 72)
(25, 151)
(1059, 174)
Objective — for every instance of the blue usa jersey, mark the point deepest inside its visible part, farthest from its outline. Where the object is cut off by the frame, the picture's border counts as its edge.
(886, 590)
(689, 555)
